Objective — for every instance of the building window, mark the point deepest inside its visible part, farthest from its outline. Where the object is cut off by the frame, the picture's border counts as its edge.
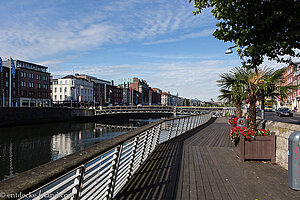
(39, 85)
(13, 75)
(60, 97)
(60, 90)
(23, 74)
(55, 90)
(45, 78)
(6, 83)
(38, 77)
(31, 75)
(65, 89)
(46, 86)
(65, 97)
(39, 94)
(31, 84)
(6, 74)
(14, 84)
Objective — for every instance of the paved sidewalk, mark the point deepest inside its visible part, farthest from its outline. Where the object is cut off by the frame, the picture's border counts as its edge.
(201, 164)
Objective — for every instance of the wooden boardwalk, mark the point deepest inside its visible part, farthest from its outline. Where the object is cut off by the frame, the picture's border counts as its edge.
(201, 164)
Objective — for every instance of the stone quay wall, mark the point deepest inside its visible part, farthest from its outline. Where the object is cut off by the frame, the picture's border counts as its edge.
(29, 115)
(282, 132)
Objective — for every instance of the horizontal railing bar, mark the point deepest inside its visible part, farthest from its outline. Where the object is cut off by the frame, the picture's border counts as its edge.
(102, 160)
(71, 178)
(102, 173)
(102, 179)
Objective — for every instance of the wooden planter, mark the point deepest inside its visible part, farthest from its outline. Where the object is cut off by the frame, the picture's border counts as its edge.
(259, 148)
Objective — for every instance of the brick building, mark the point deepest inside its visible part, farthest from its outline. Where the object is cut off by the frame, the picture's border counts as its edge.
(291, 78)
(139, 92)
(28, 87)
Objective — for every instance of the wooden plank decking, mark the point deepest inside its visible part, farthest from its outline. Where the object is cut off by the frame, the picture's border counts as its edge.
(201, 164)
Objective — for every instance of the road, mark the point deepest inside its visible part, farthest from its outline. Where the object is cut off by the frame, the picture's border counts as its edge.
(272, 116)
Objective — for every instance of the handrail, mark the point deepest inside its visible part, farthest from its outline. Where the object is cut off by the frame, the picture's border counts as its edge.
(99, 171)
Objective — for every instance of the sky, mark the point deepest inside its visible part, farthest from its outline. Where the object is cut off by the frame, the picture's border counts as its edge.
(158, 40)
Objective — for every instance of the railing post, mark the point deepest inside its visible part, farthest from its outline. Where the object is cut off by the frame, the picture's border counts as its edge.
(192, 122)
(144, 145)
(187, 124)
(148, 140)
(177, 126)
(201, 119)
(157, 134)
(81, 178)
(195, 121)
(132, 157)
(182, 126)
(115, 166)
(170, 131)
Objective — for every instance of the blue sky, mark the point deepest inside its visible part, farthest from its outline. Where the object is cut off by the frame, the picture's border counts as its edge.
(157, 40)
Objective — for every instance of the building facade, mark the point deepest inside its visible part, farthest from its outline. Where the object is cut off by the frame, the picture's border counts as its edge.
(72, 90)
(100, 87)
(29, 86)
(291, 78)
(139, 92)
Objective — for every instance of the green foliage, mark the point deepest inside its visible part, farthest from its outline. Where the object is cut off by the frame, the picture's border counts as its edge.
(264, 27)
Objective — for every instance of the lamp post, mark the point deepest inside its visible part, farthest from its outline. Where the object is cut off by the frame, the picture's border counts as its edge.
(229, 51)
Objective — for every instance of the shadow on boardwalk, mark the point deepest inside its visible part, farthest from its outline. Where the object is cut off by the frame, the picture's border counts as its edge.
(201, 164)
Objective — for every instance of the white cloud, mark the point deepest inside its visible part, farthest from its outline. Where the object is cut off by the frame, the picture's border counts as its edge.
(44, 30)
(203, 33)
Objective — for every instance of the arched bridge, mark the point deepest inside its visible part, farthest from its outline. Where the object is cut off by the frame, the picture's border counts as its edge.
(176, 110)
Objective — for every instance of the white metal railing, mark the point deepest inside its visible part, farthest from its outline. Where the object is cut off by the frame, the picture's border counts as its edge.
(104, 176)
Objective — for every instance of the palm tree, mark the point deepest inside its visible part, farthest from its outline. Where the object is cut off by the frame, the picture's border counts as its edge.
(232, 91)
(271, 87)
(259, 82)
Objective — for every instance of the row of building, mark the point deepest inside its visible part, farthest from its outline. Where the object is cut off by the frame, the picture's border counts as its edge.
(24, 84)
(291, 77)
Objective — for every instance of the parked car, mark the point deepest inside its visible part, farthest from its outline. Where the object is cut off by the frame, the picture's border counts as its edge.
(284, 112)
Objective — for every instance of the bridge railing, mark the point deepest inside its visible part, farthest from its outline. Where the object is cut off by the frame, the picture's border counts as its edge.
(218, 111)
(100, 171)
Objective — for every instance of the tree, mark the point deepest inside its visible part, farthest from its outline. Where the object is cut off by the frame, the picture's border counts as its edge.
(232, 90)
(258, 83)
(263, 27)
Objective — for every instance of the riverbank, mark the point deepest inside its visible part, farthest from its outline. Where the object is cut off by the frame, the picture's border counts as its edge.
(28, 116)
(25, 115)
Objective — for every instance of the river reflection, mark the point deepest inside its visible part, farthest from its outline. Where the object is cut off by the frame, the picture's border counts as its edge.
(25, 147)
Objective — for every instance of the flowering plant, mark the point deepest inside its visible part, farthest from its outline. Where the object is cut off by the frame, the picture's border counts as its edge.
(263, 132)
(233, 121)
(238, 131)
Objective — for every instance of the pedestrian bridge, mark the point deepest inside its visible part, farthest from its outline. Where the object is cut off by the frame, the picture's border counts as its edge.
(176, 110)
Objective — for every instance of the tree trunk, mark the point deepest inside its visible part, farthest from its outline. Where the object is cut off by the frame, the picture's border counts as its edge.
(252, 113)
(263, 108)
(238, 109)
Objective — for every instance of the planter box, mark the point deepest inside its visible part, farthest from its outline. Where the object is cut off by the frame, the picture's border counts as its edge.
(259, 148)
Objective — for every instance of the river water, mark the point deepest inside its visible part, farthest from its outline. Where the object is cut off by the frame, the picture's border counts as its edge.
(25, 147)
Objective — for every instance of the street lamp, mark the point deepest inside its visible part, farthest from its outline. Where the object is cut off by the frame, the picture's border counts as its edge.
(229, 51)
